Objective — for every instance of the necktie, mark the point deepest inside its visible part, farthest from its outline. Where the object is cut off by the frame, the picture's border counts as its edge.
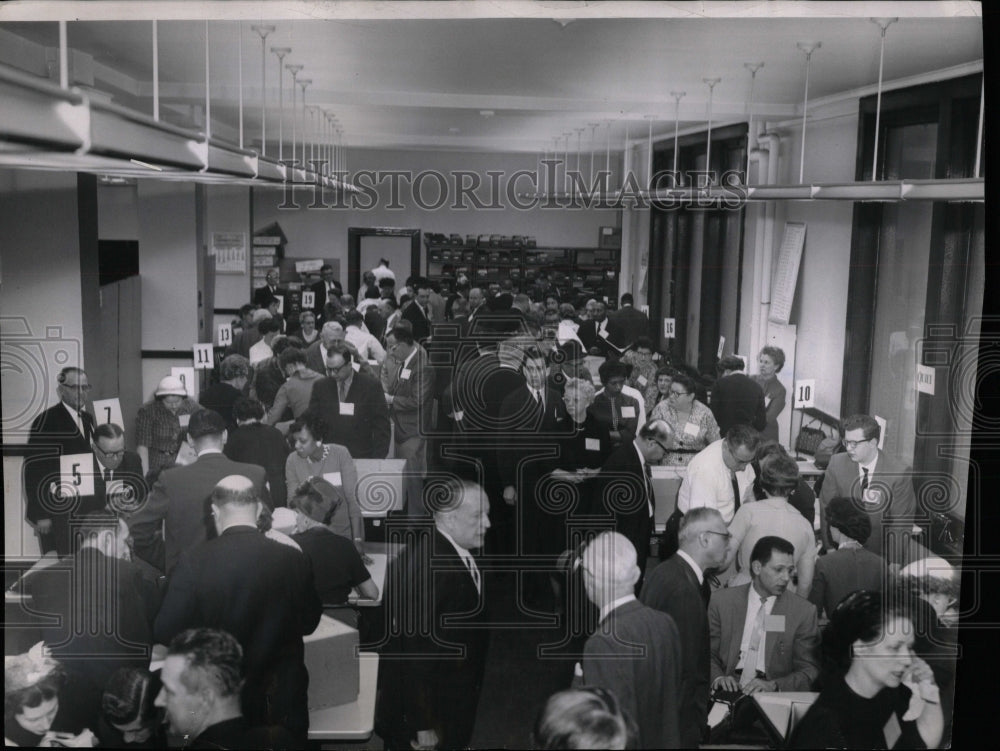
(736, 494)
(470, 563)
(649, 488)
(614, 414)
(864, 480)
(750, 659)
(706, 590)
(342, 390)
(107, 476)
(88, 425)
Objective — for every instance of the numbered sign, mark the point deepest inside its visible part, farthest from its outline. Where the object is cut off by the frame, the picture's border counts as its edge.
(805, 393)
(225, 334)
(883, 424)
(187, 377)
(925, 379)
(108, 410)
(722, 343)
(281, 304)
(203, 356)
(308, 300)
(669, 328)
(76, 474)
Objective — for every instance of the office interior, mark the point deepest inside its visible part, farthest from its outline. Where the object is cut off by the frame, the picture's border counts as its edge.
(890, 283)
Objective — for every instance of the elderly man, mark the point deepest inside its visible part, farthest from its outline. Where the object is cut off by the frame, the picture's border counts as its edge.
(408, 382)
(63, 429)
(430, 688)
(262, 296)
(177, 502)
(234, 373)
(202, 676)
(260, 591)
(679, 588)
(764, 637)
(880, 483)
(636, 651)
(600, 332)
(331, 333)
(624, 487)
(353, 407)
(118, 478)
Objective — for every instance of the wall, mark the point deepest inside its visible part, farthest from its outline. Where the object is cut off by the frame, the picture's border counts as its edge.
(41, 308)
(322, 233)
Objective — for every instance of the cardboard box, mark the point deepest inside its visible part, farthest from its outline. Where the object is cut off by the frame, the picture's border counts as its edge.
(331, 657)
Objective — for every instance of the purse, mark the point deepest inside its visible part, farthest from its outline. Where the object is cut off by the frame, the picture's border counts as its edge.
(809, 439)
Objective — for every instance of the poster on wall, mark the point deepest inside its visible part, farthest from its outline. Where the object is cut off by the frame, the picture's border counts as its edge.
(230, 251)
(787, 274)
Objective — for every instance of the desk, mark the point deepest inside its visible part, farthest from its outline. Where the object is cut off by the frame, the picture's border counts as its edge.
(809, 471)
(666, 484)
(380, 553)
(354, 721)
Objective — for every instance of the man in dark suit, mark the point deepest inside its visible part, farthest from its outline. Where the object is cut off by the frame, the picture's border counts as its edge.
(260, 591)
(353, 407)
(736, 398)
(62, 430)
(263, 296)
(636, 651)
(115, 470)
(105, 605)
(679, 588)
(180, 496)
(779, 651)
(430, 686)
(880, 483)
(633, 323)
(602, 333)
(408, 382)
(326, 289)
(624, 488)
(418, 312)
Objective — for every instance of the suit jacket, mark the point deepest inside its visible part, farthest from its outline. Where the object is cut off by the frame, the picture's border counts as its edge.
(316, 357)
(890, 487)
(366, 434)
(636, 654)
(520, 418)
(673, 588)
(411, 403)
(421, 324)
(53, 434)
(435, 679)
(262, 296)
(737, 400)
(627, 426)
(632, 322)
(375, 323)
(791, 657)
(220, 397)
(265, 446)
(133, 486)
(841, 572)
(263, 593)
(621, 488)
(589, 337)
(319, 288)
(180, 500)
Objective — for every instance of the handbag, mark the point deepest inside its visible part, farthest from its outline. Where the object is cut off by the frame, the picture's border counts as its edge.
(809, 439)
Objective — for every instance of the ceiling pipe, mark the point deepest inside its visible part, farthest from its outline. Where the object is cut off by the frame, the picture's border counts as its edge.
(883, 24)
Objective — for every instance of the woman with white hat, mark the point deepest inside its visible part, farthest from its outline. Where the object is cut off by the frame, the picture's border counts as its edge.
(159, 422)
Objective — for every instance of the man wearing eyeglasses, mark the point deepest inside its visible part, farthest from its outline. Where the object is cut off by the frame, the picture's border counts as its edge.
(118, 479)
(880, 483)
(720, 476)
(65, 428)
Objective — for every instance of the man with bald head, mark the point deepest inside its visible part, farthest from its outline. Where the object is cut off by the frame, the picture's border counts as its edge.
(258, 590)
(431, 681)
(636, 651)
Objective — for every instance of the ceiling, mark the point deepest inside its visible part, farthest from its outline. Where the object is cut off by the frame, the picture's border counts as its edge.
(420, 75)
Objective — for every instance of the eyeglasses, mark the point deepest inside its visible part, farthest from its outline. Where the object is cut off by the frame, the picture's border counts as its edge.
(77, 387)
(111, 454)
(855, 444)
(678, 393)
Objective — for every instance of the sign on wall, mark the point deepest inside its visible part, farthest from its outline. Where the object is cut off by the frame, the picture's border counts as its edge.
(230, 251)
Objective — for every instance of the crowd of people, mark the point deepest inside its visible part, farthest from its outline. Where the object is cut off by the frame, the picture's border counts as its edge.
(529, 421)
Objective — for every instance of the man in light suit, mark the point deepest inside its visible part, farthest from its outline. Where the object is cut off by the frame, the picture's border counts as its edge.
(636, 651)
(180, 497)
(763, 637)
(62, 430)
(359, 421)
(633, 323)
(408, 381)
(879, 483)
(431, 682)
(679, 588)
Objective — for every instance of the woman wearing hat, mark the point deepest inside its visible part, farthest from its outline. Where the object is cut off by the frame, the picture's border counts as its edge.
(159, 422)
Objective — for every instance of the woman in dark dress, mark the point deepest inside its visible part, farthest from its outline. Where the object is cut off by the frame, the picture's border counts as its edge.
(876, 692)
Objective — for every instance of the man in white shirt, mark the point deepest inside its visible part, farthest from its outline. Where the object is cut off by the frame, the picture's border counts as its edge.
(261, 351)
(720, 476)
(763, 636)
(382, 271)
(368, 346)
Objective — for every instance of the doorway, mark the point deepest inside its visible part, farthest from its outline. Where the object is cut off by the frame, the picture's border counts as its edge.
(366, 245)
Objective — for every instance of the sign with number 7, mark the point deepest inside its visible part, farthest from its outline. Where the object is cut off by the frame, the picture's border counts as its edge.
(109, 410)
